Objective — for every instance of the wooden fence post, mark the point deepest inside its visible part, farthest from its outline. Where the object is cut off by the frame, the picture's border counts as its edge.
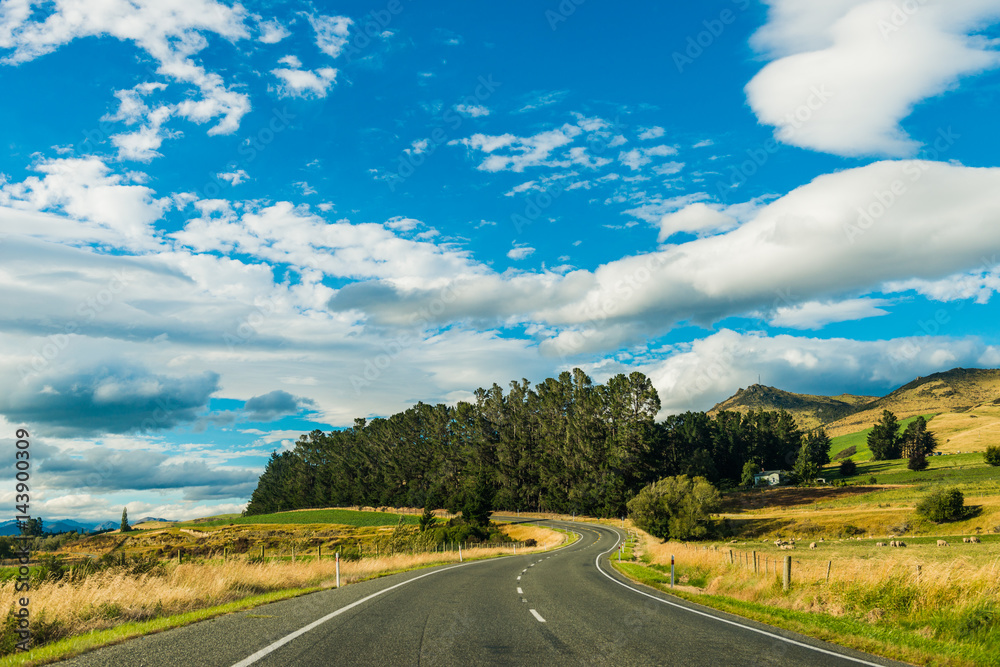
(829, 565)
(755, 562)
(319, 553)
(786, 580)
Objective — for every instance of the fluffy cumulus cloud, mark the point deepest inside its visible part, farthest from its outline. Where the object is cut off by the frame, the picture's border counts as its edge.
(171, 32)
(298, 82)
(841, 235)
(109, 398)
(113, 207)
(846, 72)
(331, 33)
(696, 376)
(698, 218)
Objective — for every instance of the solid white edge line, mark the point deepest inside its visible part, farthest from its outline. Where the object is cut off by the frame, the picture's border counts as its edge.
(301, 631)
(597, 562)
(537, 616)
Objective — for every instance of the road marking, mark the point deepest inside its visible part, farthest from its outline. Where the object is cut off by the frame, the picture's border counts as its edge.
(597, 562)
(298, 633)
(519, 577)
(532, 565)
(537, 616)
(519, 591)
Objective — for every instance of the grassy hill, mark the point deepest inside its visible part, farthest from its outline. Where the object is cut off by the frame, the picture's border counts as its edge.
(956, 391)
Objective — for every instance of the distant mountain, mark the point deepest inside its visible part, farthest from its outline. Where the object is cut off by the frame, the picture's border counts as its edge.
(957, 390)
(108, 525)
(151, 518)
(808, 410)
(67, 526)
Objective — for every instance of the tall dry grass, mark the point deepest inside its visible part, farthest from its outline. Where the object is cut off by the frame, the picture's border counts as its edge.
(955, 598)
(74, 606)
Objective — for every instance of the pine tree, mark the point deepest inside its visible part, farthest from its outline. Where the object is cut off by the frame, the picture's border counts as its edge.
(917, 439)
(884, 440)
(125, 527)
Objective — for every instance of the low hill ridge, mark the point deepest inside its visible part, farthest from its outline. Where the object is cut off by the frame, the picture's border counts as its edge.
(956, 390)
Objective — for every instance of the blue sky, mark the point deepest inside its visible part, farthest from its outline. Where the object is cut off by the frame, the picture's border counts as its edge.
(224, 224)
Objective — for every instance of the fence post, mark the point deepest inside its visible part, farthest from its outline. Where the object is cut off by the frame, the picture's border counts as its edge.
(731, 558)
(786, 581)
(829, 564)
(755, 562)
(338, 569)
(179, 557)
(460, 552)
(671, 570)
(225, 554)
(319, 553)
(262, 551)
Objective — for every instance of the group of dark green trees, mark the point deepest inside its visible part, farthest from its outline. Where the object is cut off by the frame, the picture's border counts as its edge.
(565, 445)
(914, 444)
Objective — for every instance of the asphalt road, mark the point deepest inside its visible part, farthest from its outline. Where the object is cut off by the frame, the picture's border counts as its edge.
(566, 607)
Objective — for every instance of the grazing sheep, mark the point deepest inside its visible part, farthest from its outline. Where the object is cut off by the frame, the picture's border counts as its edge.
(812, 545)
(880, 544)
(942, 543)
(974, 540)
(900, 543)
(966, 539)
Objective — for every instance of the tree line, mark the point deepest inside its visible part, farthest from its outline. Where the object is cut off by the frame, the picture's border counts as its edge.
(564, 445)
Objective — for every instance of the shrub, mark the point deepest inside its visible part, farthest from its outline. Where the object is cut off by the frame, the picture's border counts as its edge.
(992, 455)
(848, 468)
(675, 507)
(942, 505)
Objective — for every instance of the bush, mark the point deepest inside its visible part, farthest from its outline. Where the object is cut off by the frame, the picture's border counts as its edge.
(848, 468)
(992, 455)
(943, 505)
(675, 507)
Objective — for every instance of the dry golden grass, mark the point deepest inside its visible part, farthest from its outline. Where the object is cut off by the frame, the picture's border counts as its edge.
(878, 582)
(113, 596)
(971, 431)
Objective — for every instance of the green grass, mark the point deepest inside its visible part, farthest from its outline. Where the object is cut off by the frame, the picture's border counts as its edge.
(860, 440)
(339, 517)
(900, 641)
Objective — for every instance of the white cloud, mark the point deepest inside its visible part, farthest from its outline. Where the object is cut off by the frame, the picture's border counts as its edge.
(85, 189)
(171, 32)
(639, 157)
(698, 218)
(271, 32)
(331, 33)
(472, 110)
(523, 152)
(816, 243)
(304, 83)
(520, 251)
(234, 177)
(654, 132)
(696, 376)
(816, 315)
(849, 71)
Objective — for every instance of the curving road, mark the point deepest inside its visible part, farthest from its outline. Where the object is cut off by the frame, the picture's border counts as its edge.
(566, 607)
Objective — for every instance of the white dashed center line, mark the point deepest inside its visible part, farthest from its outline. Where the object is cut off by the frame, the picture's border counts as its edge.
(537, 616)
(519, 591)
